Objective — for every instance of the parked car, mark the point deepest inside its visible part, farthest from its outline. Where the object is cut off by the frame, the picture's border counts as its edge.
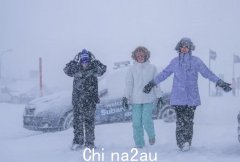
(239, 126)
(55, 112)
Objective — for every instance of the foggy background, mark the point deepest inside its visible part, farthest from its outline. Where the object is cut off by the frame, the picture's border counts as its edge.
(57, 30)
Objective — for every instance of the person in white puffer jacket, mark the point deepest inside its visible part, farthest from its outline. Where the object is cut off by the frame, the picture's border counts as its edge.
(140, 73)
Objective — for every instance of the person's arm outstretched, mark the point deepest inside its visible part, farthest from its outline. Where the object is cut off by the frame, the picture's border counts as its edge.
(159, 78)
(207, 73)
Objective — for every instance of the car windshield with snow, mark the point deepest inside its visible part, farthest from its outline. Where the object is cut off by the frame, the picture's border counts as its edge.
(55, 112)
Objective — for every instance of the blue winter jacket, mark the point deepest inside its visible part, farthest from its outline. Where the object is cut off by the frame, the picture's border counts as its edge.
(185, 82)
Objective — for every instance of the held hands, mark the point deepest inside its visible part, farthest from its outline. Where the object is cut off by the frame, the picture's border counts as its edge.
(147, 88)
(125, 103)
(225, 86)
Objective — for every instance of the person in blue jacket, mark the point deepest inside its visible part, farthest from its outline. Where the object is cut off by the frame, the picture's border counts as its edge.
(185, 93)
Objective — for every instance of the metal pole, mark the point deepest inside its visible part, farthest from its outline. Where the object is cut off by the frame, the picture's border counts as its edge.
(209, 84)
(238, 85)
(40, 76)
(233, 70)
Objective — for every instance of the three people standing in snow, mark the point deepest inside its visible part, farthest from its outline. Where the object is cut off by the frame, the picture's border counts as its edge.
(142, 93)
(142, 104)
(185, 94)
(85, 69)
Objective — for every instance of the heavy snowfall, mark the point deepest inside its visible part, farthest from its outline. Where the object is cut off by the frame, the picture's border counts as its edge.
(215, 138)
(57, 30)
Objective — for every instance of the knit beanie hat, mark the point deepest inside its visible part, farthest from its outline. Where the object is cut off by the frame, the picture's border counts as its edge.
(84, 56)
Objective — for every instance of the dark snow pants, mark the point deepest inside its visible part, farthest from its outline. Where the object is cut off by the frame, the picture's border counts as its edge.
(84, 123)
(184, 124)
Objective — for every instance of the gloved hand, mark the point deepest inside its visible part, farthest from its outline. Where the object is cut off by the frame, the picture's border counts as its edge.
(158, 102)
(225, 86)
(76, 58)
(125, 103)
(147, 88)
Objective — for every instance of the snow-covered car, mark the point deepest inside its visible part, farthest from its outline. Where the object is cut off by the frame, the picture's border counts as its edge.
(238, 126)
(54, 112)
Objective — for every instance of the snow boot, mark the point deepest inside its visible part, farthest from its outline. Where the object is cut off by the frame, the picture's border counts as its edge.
(152, 141)
(90, 146)
(185, 147)
(76, 147)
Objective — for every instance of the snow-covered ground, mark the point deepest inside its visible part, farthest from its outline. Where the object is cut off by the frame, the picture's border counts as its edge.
(215, 138)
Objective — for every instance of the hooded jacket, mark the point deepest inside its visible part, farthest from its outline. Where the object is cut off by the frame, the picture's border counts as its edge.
(185, 82)
(85, 82)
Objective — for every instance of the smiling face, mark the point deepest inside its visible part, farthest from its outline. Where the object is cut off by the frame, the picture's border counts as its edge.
(184, 49)
(140, 57)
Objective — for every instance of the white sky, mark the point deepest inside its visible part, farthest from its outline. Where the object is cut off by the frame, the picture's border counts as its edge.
(58, 29)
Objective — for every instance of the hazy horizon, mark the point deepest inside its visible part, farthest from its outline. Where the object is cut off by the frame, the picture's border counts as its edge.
(57, 30)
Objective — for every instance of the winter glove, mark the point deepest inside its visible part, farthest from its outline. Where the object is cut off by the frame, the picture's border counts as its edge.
(147, 88)
(76, 58)
(125, 103)
(225, 86)
(158, 102)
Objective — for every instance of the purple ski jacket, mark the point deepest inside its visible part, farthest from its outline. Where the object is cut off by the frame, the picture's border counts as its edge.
(185, 82)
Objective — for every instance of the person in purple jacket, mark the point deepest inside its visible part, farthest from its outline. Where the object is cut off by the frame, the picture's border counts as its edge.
(185, 94)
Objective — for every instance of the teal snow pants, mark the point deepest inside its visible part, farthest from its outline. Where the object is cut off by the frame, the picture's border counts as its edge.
(142, 119)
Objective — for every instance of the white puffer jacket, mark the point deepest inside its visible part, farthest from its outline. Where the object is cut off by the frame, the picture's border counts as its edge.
(137, 77)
